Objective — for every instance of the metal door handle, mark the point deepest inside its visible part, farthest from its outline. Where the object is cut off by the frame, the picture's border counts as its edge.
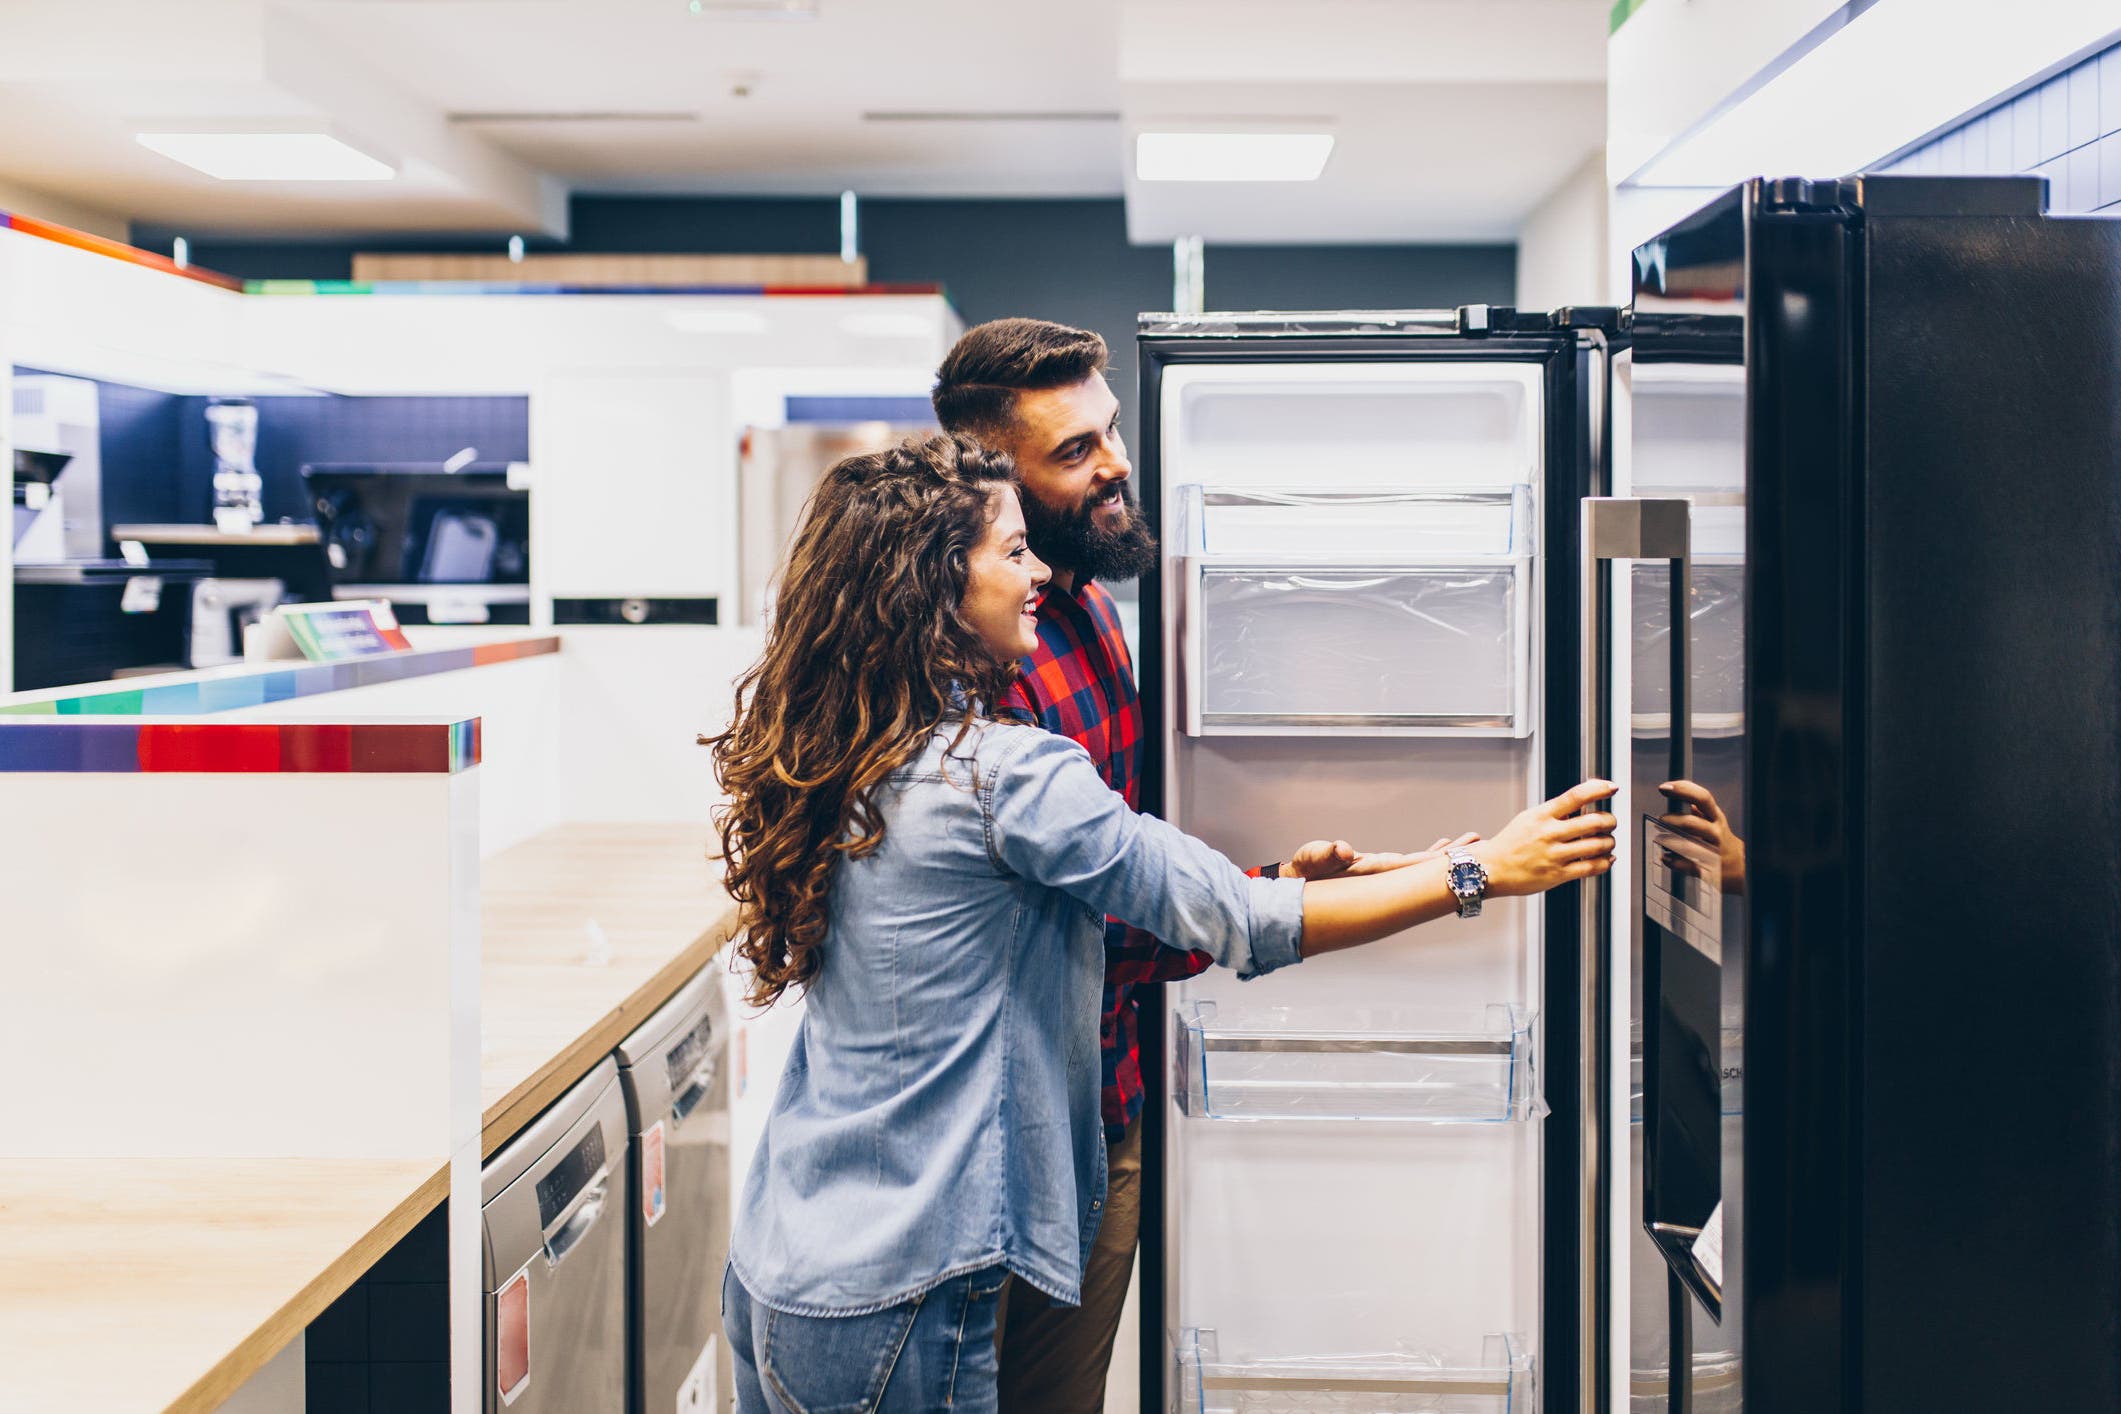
(589, 1206)
(1655, 528)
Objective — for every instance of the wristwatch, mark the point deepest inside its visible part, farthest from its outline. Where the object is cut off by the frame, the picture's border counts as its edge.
(1469, 882)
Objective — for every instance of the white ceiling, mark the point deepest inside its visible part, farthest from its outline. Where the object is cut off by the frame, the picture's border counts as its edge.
(1453, 118)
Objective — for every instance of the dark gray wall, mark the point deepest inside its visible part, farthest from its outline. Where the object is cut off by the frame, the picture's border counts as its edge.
(1067, 260)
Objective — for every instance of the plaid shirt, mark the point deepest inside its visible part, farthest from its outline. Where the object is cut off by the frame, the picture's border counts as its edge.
(1080, 683)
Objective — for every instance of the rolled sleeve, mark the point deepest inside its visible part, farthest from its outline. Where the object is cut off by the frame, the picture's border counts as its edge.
(1052, 819)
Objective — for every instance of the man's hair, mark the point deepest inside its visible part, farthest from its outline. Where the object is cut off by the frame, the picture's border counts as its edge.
(976, 388)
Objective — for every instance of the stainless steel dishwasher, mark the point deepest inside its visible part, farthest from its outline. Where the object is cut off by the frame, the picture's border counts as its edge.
(677, 1112)
(556, 1257)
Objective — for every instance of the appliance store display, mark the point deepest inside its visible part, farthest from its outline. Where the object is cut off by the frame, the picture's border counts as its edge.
(445, 543)
(1788, 532)
(677, 1114)
(555, 1256)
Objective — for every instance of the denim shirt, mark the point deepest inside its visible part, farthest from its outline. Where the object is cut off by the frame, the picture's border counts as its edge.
(939, 1112)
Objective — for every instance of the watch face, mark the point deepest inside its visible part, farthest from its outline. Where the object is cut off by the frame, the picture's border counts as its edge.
(1465, 879)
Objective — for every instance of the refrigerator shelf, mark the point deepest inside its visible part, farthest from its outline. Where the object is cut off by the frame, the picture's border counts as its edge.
(1340, 525)
(1392, 1067)
(1315, 612)
(1383, 1383)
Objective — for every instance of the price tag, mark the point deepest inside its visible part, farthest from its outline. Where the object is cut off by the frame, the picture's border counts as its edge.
(652, 1198)
(699, 1395)
(1708, 1247)
(512, 1337)
(143, 595)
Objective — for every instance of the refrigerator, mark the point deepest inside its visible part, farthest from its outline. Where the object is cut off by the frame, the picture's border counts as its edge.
(1813, 1104)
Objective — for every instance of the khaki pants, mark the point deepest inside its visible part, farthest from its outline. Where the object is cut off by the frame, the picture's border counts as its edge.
(1054, 1358)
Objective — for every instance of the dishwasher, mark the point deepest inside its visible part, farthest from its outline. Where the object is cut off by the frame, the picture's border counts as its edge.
(677, 1113)
(555, 1257)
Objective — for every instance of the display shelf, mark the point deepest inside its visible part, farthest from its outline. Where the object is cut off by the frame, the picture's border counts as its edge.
(1393, 1066)
(1307, 611)
(1378, 1383)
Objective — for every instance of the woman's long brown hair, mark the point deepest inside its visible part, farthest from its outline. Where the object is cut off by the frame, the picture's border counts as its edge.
(866, 658)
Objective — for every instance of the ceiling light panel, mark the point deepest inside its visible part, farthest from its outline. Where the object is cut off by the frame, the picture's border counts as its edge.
(1231, 157)
(754, 9)
(270, 157)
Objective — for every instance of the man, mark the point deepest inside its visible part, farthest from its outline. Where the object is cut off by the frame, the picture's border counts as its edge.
(1037, 391)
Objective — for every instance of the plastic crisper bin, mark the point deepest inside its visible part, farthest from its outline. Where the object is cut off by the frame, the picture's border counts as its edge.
(1395, 1382)
(1390, 1065)
(1350, 647)
(1352, 610)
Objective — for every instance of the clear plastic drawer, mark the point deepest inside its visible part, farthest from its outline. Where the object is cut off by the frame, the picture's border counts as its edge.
(1352, 611)
(1393, 1065)
(1394, 1382)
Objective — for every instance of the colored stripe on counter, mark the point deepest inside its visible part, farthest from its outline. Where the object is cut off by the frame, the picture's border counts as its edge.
(1621, 13)
(256, 689)
(116, 250)
(529, 287)
(260, 748)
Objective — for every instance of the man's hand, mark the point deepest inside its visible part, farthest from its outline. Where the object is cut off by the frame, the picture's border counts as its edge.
(1332, 859)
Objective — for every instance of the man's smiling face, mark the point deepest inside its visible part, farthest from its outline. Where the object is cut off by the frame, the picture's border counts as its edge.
(1081, 511)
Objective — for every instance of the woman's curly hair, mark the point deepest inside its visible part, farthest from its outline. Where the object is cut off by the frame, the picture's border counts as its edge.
(866, 658)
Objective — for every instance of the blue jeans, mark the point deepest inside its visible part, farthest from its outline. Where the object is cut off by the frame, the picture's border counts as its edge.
(933, 1352)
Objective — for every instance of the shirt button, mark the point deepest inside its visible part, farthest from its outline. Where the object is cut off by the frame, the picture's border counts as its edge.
(1096, 1203)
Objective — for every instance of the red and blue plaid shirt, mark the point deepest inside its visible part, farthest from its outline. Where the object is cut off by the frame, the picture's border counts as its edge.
(1080, 683)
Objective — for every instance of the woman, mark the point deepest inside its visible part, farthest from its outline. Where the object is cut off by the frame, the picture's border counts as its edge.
(936, 884)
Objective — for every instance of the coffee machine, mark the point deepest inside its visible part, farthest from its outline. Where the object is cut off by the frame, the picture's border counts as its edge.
(58, 471)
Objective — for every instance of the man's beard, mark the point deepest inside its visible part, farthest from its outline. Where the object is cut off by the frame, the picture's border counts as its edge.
(1074, 541)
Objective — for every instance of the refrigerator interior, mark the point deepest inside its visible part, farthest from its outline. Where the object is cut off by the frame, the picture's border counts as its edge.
(1353, 1197)
(1687, 441)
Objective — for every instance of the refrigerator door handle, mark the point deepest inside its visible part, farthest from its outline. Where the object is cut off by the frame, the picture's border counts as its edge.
(1655, 528)
(1614, 528)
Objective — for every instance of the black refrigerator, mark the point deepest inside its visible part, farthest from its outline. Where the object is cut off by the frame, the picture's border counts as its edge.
(1814, 1104)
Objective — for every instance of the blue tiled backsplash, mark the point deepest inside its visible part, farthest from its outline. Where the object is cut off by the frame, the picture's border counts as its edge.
(2067, 130)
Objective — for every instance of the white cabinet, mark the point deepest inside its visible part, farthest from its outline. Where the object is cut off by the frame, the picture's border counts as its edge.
(633, 485)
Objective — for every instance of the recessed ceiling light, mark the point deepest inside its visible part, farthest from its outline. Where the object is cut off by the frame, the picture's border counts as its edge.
(1231, 157)
(270, 157)
(755, 9)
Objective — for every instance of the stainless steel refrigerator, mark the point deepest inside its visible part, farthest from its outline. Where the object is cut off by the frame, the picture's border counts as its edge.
(1811, 1105)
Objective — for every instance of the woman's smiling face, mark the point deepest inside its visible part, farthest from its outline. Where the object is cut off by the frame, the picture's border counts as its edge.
(1002, 582)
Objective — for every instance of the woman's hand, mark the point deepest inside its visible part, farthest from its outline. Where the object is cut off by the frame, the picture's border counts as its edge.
(1550, 844)
(1333, 859)
(1708, 825)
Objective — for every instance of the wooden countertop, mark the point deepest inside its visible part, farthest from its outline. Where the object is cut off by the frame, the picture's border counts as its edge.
(549, 1009)
(139, 1284)
(209, 534)
(164, 1284)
